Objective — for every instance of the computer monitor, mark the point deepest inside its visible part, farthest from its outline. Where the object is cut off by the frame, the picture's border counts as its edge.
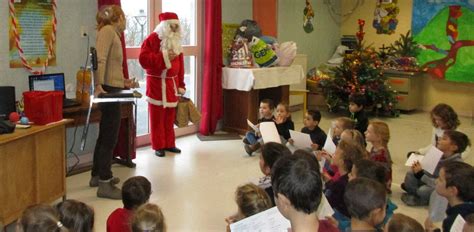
(47, 82)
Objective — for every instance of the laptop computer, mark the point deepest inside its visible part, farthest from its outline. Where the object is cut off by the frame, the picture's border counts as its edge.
(50, 82)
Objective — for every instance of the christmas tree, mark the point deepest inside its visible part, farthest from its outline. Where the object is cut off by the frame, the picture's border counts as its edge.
(360, 73)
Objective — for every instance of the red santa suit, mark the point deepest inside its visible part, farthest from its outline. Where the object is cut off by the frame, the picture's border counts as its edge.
(164, 78)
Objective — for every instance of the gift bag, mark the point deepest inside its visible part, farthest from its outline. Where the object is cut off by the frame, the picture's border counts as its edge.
(264, 56)
(286, 53)
(240, 56)
(43, 107)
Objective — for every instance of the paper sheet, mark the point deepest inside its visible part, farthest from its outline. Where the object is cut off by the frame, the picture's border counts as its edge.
(413, 158)
(268, 220)
(329, 145)
(269, 132)
(458, 224)
(324, 209)
(301, 140)
(253, 126)
(431, 159)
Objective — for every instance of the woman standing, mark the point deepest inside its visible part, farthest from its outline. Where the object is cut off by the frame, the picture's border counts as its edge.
(108, 78)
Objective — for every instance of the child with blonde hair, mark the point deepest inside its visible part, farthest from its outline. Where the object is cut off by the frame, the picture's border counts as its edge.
(283, 121)
(148, 217)
(378, 134)
(353, 135)
(250, 200)
(339, 125)
(40, 218)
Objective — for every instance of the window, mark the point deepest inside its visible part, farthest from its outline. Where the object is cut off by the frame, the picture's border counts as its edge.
(142, 18)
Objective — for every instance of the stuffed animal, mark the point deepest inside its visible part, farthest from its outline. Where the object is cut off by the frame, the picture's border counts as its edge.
(248, 29)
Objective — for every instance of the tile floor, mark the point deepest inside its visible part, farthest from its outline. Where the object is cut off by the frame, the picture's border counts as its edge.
(195, 189)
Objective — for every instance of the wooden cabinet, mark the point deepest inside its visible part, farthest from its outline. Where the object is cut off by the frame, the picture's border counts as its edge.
(32, 168)
(408, 87)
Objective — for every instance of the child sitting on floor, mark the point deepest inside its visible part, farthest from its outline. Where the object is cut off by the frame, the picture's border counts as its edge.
(250, 200)
(283, 122)
(148, 217)
(366, 201)
(76, 216)
(136, 191)
(271, 152)
(357, 103)
(378, 134)
(311, 127)
(418, 183)
(297, 185)
(455, 183)
(339, 125)
(346, 154)
(372, 170)
(40, 218)
(253, 139)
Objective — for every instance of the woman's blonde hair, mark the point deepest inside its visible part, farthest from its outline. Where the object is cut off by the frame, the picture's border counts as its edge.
(251, 200)
(381, 129)
(148, 217)
(108, 15)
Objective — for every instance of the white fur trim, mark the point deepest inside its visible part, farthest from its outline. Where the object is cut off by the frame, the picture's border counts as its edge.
(166, 58)
(160, 103)
(171, 21)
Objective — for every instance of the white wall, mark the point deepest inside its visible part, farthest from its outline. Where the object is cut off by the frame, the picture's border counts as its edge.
(70, 47)
(320, 44)
(234, 11)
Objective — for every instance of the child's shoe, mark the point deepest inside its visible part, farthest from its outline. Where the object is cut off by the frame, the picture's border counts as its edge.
(251, 148)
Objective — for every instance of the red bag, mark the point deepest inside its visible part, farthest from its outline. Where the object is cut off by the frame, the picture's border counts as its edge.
(43, 107)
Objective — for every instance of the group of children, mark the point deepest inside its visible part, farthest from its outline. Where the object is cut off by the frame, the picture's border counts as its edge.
(137, 215)
(356, 182)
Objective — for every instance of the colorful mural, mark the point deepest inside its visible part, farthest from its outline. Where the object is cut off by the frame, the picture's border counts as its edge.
(445, 29)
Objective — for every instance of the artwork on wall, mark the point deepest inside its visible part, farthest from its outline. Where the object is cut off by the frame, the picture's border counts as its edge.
(308, 16)
(32, 35)
(444, 29)
(385, 16)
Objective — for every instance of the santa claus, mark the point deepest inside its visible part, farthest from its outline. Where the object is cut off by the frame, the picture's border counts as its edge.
(161, 56)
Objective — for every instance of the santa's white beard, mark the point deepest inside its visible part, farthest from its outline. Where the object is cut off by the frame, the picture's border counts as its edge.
(169, 40)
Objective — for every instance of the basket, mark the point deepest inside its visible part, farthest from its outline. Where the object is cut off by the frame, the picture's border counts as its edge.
(43, 107)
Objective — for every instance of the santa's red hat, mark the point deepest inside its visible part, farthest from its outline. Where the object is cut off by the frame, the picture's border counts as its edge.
(169, 17)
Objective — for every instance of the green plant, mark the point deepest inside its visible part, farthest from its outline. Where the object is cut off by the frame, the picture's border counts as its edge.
(405, 46)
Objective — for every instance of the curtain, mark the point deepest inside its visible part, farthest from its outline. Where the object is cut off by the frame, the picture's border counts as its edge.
(125, 131)
(212, 68)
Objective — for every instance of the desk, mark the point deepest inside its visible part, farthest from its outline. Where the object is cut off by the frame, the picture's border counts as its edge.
(32, 168)
(125, 148)
(245, 88)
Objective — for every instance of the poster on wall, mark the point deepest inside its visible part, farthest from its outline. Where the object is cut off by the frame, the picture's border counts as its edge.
(32, 34)
(444, 30)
